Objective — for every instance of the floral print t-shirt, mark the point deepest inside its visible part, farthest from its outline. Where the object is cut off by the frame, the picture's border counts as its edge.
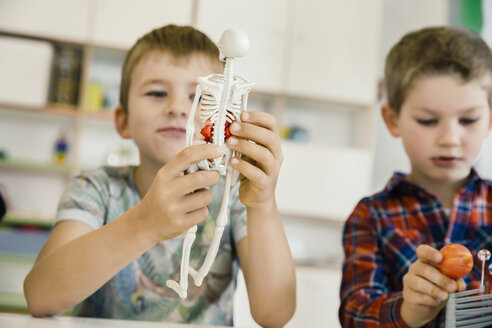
(139, 290)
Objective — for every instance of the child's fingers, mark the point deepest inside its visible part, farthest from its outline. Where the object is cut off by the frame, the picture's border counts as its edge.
(249, 171)
(262, 119)
(256, 152)
(258, 134)
(201, 179)
(461, 285)
(184, 221)
(424, 286)
(433, 275)
(195, 217)
(189, 210)
(193, 201)
(428, 254)
(247, 160)
(190, 155)
(415, 297)
(430, 257)
(265, 136)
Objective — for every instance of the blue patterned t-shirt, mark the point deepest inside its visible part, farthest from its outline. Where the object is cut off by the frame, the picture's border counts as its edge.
(138, 291)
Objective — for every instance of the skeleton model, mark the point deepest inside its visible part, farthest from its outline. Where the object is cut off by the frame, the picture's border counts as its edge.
(222, 98)
(471, 308)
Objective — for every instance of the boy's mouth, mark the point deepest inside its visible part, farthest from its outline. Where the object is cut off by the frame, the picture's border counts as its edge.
(172, 131)
(445, 160)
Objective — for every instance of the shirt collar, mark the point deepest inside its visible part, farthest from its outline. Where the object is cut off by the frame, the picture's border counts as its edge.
(401, 179)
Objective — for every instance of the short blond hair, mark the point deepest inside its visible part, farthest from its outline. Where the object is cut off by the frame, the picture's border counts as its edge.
(436, 51)
(180, 41)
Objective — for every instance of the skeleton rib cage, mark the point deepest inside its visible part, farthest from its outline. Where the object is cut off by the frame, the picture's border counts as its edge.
(209, 108)
(218, 107)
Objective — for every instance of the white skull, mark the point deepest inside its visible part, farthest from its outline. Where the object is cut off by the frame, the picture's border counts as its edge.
(233, 43)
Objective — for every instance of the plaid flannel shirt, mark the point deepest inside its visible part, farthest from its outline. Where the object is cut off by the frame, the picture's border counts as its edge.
(381, 236)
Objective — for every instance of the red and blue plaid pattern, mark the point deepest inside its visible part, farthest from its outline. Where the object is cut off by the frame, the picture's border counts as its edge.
(381, 236)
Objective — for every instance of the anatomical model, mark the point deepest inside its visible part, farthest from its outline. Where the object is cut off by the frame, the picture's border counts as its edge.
(220, 99)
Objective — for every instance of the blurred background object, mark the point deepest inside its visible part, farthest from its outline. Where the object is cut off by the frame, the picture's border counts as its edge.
(3, 202)
(60, 150)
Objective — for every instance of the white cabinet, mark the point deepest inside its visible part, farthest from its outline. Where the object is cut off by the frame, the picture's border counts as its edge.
(317, 299)
(112, 23)
(265, 23)
(321, 181)
(58, 19)
(334, 49)
(311, 48)
(20, 59)
(119, 23)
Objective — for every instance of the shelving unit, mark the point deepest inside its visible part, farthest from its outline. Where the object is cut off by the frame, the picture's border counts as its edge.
(21, 155)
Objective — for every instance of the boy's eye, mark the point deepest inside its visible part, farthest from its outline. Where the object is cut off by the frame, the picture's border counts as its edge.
(468, 121)
(192, 98)
(157, 94)
(429, 122)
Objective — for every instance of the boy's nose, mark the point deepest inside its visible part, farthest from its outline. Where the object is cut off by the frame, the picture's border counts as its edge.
(449, 135)
(176, 107)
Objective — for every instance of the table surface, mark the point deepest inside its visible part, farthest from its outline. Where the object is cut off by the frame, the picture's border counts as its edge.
(12, 320)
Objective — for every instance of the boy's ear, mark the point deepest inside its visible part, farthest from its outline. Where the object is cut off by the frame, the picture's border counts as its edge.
(390, 119)
(121, 122)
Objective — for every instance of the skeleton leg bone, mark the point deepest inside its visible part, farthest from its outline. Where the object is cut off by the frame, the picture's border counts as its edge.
(181, 288)
(220, 223)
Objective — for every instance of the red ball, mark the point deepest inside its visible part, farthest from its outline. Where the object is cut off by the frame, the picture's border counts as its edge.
(457, 261)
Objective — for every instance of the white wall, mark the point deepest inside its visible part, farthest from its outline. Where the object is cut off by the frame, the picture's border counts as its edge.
(400, 17)
(483, 165)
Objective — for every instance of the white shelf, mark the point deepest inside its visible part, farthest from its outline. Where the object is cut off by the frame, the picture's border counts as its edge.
(33, 166)
(22, 219)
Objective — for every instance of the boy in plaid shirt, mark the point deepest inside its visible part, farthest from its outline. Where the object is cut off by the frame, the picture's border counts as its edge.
(438, 84)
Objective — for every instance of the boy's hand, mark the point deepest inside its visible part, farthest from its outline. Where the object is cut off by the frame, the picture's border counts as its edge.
(425, 288)
(261, 160)
(175, 202)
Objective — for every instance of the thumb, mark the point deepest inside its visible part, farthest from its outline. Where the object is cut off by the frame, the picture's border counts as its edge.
(429, 255)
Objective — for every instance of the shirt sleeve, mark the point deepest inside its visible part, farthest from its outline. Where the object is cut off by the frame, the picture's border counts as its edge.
(83, 200)
(365, 301)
